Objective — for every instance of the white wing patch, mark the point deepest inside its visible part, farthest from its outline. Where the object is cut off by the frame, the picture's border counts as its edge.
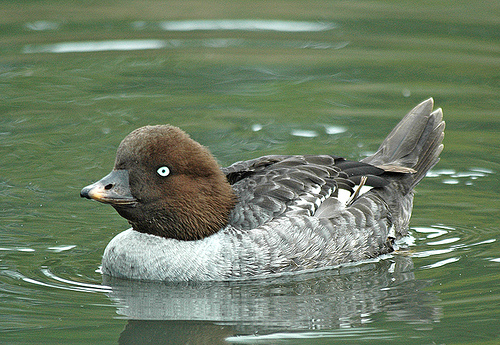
(344, 195)
(344, 198)
(358, 190)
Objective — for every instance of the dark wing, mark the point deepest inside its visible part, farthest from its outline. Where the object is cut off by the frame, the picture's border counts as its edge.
(271, 186)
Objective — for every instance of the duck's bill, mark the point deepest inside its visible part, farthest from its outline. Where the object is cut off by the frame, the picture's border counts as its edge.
(111, 189)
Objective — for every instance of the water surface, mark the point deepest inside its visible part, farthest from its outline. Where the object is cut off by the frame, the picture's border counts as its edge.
(280, 77)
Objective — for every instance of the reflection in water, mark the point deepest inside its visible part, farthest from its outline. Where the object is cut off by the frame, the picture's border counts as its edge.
(246, 25)
(346, 298)
(453, 177)
(190, 25)
(130, 45)
(211, 25)
(42, 25)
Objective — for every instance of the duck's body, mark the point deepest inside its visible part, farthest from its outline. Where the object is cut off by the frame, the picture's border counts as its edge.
(192, 220)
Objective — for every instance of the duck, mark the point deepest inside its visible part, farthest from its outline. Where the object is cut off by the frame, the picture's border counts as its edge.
(193, 220)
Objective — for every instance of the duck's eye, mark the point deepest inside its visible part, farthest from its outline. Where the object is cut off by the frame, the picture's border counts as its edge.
(163, 171)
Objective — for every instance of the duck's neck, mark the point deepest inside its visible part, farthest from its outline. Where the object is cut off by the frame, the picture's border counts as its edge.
(198, 215)
(181, 226)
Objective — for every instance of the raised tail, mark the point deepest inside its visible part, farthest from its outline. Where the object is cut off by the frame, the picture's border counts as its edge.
(414, 145)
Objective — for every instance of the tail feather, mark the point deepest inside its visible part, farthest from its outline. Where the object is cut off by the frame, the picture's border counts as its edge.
(412, 148)
(414, 145)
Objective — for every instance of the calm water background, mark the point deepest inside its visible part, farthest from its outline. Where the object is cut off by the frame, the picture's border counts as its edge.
(246, 78)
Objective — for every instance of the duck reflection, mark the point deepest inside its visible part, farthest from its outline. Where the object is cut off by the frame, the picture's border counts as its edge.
(212, 313)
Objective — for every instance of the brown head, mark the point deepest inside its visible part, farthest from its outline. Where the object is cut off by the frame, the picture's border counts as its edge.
(166, 184)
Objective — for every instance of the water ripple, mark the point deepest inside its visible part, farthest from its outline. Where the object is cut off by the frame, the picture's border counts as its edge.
(454, 243)
(441, 263)
(365, 333)
(56, 282)
(76, 286)
(148, 44)
(451, 176)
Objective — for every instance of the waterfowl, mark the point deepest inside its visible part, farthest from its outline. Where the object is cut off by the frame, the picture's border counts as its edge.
(195, 221)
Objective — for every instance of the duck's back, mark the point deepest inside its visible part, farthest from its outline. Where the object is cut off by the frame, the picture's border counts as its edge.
(271, 187)
(302, 212)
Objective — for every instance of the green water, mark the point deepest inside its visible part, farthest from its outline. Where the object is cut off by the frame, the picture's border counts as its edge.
(326, 77)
